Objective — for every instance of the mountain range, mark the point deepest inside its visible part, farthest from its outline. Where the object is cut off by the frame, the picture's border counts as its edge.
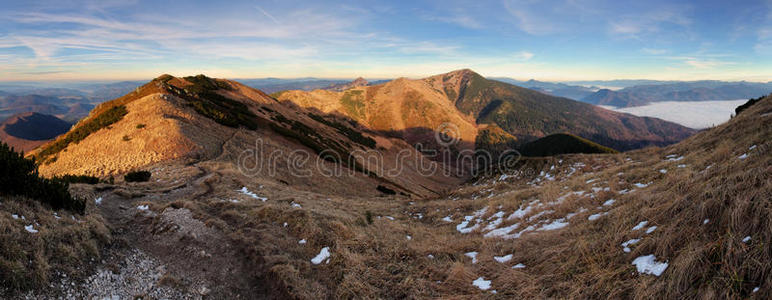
(640, 95)
(411, 109)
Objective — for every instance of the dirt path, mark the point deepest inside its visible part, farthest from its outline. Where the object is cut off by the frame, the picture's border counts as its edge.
(162, 255)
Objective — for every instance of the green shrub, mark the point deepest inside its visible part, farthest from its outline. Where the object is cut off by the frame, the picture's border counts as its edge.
(369, 217)
(350, 133)
(126, 138)
(137, 176)
(19, 176)
(202, 96)
(748, 104)
(140, 126)
(78, 134)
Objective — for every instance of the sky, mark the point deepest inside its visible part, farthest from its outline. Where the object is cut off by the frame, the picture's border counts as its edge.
(522, 39)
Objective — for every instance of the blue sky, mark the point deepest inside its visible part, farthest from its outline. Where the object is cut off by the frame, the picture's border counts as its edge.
(523, 39)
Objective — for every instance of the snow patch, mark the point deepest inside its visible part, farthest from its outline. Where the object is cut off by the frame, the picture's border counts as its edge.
(482, 284)
(323, 254)
(627, 244)
(143, 207)
(503, 259)
(648, 264)
(302, 242)
(594, 217)
(651, 229)
(747, 239)
(556, 224)
(98, 201)
(640, 225)
(518, 266)
(30, 229)
(245, 191)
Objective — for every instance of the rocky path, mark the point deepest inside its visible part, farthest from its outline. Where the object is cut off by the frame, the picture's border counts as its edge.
(160, 255)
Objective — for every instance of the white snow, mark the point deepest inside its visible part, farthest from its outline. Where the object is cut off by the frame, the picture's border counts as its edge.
(285, 224)
(98, 201)
(296, 205)
(481, 283)
(518, 266)
(744, 156)
(640, 185)
(541, 213)
(472, 255)
(663, 171)
(706, 221)
(502, 231)
(682, 166)
(640, 225)
(651, 229)
(245, 191)
(609, 202)
(143, 207)
(594, 217)
(447, 219)
(408, 237)
(390, 218)
(648, 264)
(462, 228)
(503, 259)
(747, 239)
(302, 242)
(323, 254)
(556, 224)
(521, 212)
(30, 229)
(756, 289)
(751, 147)
(430, 256)
(15, 216)
(628, 243)
(674, 158)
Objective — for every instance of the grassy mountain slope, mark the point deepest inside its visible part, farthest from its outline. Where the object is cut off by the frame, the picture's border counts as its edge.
(195, 119)
(414, 106)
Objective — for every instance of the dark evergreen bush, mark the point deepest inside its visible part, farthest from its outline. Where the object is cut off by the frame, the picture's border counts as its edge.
(19, 176)
(137, 176)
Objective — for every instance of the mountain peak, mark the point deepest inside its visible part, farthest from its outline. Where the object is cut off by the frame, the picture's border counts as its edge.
(462, 73)
(358, 82)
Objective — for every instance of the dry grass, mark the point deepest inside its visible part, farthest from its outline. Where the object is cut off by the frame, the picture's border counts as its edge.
(583, 260)
(61, 246)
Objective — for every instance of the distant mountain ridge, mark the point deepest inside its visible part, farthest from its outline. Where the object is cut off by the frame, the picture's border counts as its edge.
(575, 92)
(680, 91)
(26, 131)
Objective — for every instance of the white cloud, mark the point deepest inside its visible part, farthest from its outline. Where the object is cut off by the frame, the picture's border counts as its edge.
(523, 55)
